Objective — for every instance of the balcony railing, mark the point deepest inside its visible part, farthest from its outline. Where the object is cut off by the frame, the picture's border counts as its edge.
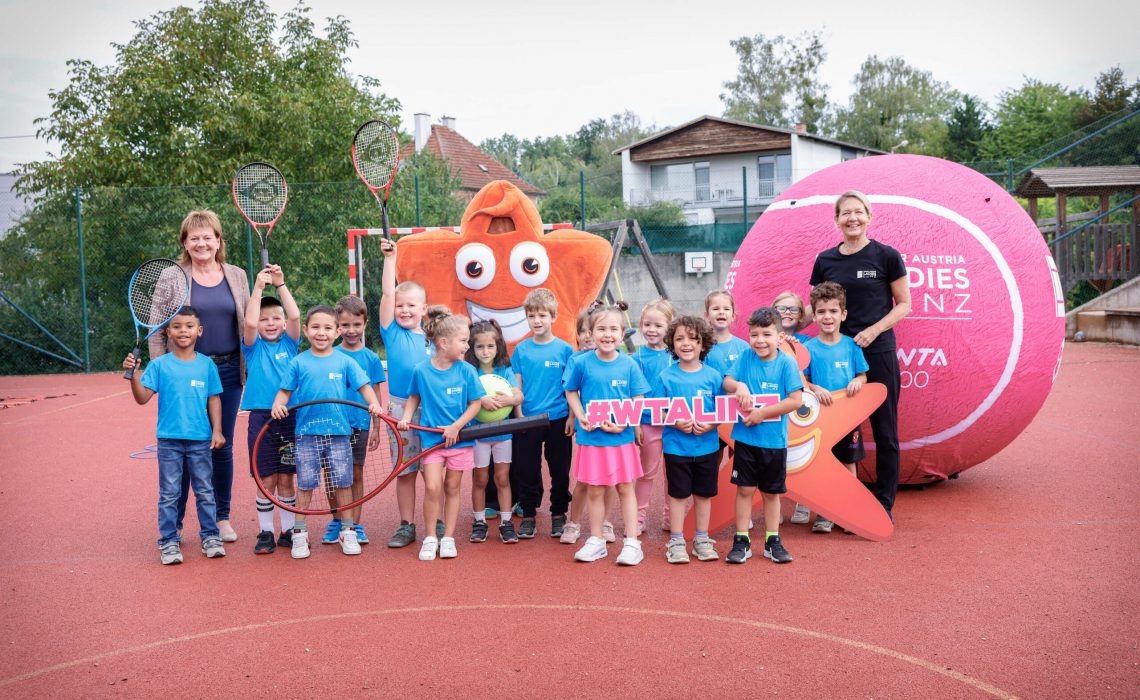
(710, 196)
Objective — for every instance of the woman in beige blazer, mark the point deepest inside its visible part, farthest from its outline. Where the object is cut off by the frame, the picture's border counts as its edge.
(219, 291)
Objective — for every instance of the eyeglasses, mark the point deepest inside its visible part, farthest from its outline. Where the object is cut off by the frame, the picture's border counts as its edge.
(789, 310)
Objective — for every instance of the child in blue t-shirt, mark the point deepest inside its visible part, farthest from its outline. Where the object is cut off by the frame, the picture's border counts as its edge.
(351, 321)
(402, 308)
(488, 355)
(323, 432)
(539, 363)
(761, 455)
(720, 312)
(691, 447)
(652, 359)
(837, 364)
(269, 341)
(607, 452)
(189, 426)
(449, 391)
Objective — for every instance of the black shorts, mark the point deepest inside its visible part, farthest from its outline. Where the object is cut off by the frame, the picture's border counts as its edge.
(276, 453)
(850, 449)
(691, 476)
(765, 468)
(359, 445)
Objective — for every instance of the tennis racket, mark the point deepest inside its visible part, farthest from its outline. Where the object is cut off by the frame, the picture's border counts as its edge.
(315, 435)
(376, 157)
(260, 193)
(158, 289)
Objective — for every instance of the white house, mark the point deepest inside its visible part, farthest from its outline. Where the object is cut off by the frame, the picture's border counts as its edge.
(717, 169)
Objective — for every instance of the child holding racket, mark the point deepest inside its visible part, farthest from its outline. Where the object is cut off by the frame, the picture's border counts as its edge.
(402, 309)
(323, 432)
(449, 391)
(539, 362)
(488, 354)
(607, 454)
(652, 358)
(269, 340)
(189, 426)
(351, 321)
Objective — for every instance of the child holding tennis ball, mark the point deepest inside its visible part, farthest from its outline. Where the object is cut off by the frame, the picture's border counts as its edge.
(488, 354)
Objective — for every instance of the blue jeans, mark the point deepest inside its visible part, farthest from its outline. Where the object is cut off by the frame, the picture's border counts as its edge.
(190, 459)
(223, 457)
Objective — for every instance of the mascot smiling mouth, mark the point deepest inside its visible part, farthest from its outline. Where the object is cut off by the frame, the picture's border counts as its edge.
(512, 321)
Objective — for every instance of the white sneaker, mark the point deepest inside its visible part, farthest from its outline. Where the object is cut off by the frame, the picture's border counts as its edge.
(447, 548)
(349, 544)
(570, 533)
(593, 550)
(429, 548)
(608, 532)
(226, 531)
(801, 516)
(631, 554)
(300, 544)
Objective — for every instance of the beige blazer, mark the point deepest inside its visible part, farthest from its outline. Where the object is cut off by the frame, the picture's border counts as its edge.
(238, 283)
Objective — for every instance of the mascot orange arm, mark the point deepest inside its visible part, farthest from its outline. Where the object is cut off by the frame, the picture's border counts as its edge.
(500, 254)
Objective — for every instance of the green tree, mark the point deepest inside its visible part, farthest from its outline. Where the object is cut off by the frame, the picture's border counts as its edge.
(1112, 94)
(1030, 117)
(776, 81)
(895, 102)
(966, 129)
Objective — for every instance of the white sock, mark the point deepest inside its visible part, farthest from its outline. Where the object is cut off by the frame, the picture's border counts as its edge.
(264, 514)
(480, 516)
(288, 517)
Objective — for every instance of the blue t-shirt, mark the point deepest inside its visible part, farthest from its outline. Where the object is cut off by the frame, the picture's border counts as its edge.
(652, 363)
(406, 349)
(801, 337)
(706, 383)
(834, 366)
(310, 377)
(723, 356)
(183, 388)
(596, 379)
(779, 376)
(371, 365)
(444, 395)
(505, 372)
(541, 368)
(265, 364)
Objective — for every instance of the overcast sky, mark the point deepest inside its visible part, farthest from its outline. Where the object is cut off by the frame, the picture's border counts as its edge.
(542, 68)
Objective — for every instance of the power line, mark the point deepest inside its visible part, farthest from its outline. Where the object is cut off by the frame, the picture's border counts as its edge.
(21, 136)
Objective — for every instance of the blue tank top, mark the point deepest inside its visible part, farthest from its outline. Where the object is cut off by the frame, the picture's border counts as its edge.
(218, 312)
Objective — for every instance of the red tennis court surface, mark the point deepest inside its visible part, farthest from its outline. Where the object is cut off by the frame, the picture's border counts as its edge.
(1018, 579)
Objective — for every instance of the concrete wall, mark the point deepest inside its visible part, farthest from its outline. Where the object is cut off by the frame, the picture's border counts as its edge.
(686, 291)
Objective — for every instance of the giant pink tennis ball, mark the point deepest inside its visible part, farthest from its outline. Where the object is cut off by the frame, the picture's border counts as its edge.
(981, 346)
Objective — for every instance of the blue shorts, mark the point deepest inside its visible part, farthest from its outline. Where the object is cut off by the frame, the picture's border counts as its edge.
(330, 454)
(275, 455)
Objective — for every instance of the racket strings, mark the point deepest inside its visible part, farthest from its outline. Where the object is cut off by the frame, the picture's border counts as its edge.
(157, 291)
(260, 192)
(377, 150)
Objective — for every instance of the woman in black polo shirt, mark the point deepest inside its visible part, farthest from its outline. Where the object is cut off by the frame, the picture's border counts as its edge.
(878, 297)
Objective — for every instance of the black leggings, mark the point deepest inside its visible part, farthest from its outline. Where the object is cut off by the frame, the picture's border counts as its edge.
(883, 367)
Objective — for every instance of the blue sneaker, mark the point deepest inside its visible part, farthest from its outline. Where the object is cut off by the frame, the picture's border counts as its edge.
(361, 538)
(490, 513)
(517, 510)
(332, 533)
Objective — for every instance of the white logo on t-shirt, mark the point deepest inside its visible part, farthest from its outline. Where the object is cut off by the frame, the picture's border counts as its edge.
(197, 383)
(336, 376)
(551, 363)
(618, 382)
(866, 274)
(454, 390)
(841, 364)
(281, 355)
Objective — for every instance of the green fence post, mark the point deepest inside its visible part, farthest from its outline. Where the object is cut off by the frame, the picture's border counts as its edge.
(744, 184)
(1009, 175)
(82, 279)
(582, 196)
(417, 183)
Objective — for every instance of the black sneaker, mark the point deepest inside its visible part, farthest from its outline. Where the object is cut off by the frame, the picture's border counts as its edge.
(774, 550)
(479, 531)
(741, 550)
(404, 535)
(557, 524)
(265, 543)
(507, 533)
(285, 539)
(527, 528)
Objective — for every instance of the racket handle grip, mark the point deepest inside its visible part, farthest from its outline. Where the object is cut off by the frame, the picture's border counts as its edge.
(130, 373)
(384, 220)
(264, 257)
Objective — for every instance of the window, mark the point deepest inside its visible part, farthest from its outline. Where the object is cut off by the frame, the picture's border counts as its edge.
(775, 173)
(847, 154)
(675, 181)
(701, 178)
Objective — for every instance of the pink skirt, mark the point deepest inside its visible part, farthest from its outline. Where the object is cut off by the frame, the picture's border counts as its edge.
(607, 466)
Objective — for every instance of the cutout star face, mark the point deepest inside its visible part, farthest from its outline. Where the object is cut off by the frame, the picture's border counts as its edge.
(500, 254)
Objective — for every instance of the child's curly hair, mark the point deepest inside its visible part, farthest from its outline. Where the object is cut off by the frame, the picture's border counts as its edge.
(696, 326)
(828, 291)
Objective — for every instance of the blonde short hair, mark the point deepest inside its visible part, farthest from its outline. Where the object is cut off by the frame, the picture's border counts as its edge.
(853, 194)
(202, 218)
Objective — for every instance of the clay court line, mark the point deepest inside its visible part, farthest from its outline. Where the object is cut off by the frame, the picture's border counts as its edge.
(67, 408)
(843, 641)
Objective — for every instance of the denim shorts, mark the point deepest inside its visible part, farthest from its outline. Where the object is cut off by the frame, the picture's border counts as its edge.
(331, 454)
